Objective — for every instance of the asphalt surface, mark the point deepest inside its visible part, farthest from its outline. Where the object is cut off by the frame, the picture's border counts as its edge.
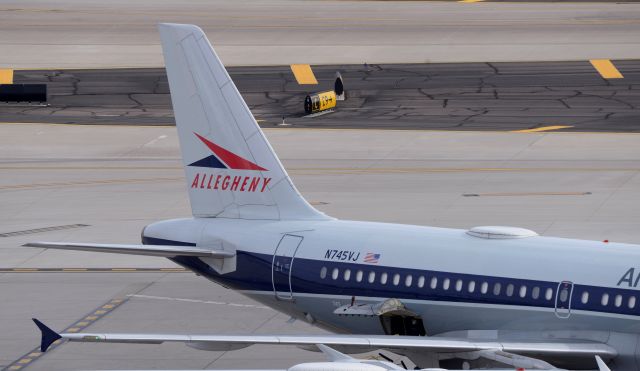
(464, 96)
(122, 33)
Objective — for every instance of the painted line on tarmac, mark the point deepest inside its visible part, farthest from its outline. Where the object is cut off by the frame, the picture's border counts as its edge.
(86, 321)
(507, 194)
(295, 128)
(304, 74)
(606, 69)
(93, 270)
(543, 128)
(13, 187)
(238, 305)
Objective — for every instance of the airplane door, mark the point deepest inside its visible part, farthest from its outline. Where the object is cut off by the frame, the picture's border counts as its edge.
(282, 264)
(563, 299)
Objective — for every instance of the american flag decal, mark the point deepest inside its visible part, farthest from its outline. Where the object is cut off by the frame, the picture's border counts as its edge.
(371, 258)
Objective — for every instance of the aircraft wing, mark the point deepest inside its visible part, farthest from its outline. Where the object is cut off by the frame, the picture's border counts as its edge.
(149, 250)
(349, 343)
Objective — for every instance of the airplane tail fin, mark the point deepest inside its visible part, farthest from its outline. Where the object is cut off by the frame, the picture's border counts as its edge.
(231, 169)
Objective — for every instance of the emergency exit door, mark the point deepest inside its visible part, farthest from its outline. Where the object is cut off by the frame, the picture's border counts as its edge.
(563, 299)
(282, 265)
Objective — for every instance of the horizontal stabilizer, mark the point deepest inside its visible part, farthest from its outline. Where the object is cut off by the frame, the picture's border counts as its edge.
(149, 250)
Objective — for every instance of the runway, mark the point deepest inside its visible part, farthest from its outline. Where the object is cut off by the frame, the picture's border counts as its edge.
(81, 34)
(110, 181)
(457, 96)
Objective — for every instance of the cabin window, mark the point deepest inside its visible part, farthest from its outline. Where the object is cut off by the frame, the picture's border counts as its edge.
(323, 272)
(564, 295)
(335, 273)
(421, 282)
(459, 285)
(523, 291)
(434, 282)
(632, 302)
(585, 297)
(383, 278)
(484, 287)
(548, 294)
(408, 280)
(446, 283)
(509, 290)
(347, 274)
(396, 279)
(605, 299)
(359, 275)
(372, 277)
(618, 301)
(497, 287)
(472, 286)
(535, 292)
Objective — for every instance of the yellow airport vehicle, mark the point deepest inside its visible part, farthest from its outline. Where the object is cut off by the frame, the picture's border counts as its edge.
(319, 102)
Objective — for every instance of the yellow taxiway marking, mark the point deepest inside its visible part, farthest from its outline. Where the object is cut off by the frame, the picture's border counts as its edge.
(543, 128)
(304, 75)
(6, 76)
(606, 69)
(470, 1)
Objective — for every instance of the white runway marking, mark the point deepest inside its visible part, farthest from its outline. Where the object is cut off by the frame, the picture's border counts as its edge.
(153, 141)
(199, 301)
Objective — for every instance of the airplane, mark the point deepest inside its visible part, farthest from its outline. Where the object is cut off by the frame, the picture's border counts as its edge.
(490, 295)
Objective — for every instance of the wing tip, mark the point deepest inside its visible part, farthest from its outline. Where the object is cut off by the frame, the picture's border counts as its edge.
(48, 336)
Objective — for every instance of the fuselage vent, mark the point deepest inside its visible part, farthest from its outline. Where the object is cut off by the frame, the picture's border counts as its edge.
(500, 233)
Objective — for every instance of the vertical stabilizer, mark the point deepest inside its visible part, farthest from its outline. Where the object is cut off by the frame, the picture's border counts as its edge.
(231, 169)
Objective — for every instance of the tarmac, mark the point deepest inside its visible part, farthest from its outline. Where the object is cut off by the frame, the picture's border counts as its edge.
(105, 183)
(121, 33)
(455, 96)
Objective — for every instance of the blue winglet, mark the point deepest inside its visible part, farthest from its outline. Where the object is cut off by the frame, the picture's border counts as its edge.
(48, 335)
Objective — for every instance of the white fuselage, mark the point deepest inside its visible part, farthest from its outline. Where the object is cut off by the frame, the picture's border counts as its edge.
(449, 279)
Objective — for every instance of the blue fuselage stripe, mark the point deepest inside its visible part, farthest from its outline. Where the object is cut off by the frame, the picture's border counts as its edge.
(254, 273)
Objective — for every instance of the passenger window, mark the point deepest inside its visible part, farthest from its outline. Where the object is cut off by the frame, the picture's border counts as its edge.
(548, 294)
(509, 289)
(434, 282)
(359, 275)
(632, 302)
(484, 287)
(585, 297)
(396, 279)
(605, 299)
(421, 282)
(335, 273)
(523, 291)
(564, 294)
(347, 274)
(445, 284)
(459, 285)
(496, 288)
(408, 280)
(323, 272)
(383, 278)
(535, 292)
(372, 277)
(618, 301)
(472, 286)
